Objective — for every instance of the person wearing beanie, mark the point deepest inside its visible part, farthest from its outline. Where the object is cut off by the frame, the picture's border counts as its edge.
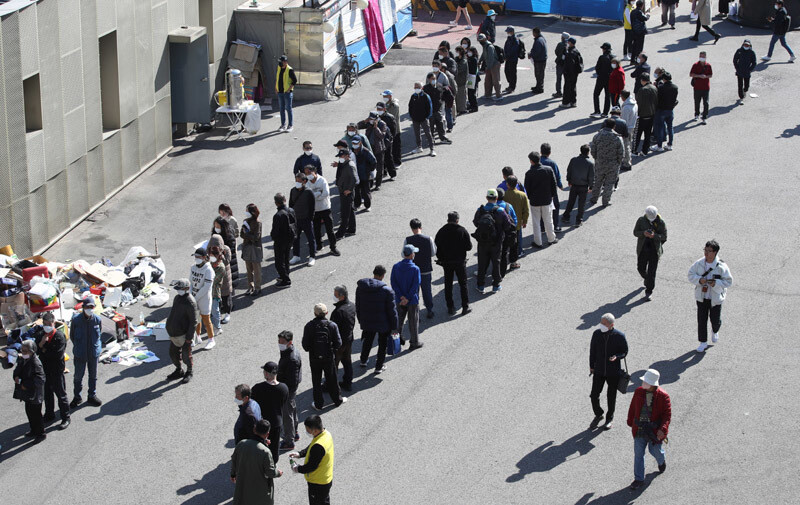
(321, 340)
(603, 69)
(651, 233)
(561, 50)
(649, 417)
(744, 61)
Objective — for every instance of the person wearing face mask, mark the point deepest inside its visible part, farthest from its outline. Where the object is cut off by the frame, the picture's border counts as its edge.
(252, 251)
(180, 326)
(607, 349)
(352, 134)
(449, 91)
(376, 131)
(629, 114)
(271, 397)
(388, 140)
(302, 201)
(253, 468)
(249, 413)
(616, 82)
(651, 233)
(638, 28)
(647, 100)
(667, 100)
(701, 82)
(347, 181)
(472, 78)
(514, 50)
(434, 91)
(283, 233)
(420, 109)
(744, 61)
(222, 289)
(608, 152)
(318, 463)
(51, 345)
(202, 276)
(487, 27)
(781, 23)
(560, 51)
(461, 8)
(365, 164)
(84, 331)
(290, 372)
(538, 55)
(393, 108)
(307, 158)
(603, 70)
(490, 63)
(642, 67)
(573, 66)
(703, 11)
(630, 5)
(446, 58)
(649, 417)
(711, 278)
(461, 77)
(29, 380)
(321, 339)
(344, 315)
(226, 213)
(318, 186)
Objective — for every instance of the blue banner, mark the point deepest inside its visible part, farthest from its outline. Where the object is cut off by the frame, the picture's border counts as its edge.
(600, 9)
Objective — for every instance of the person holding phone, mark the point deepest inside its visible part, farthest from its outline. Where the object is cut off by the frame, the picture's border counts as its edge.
(711, 278)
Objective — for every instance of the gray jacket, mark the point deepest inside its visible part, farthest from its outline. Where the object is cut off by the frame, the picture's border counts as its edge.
(346, 176)
(488, 56)
(580, 171)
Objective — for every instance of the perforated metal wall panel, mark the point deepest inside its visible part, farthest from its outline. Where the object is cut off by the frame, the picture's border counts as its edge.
(34, 143)
(6, 226)
(50, 82)
(37, 203)
(75, 138)
(70, 30)
(5, 165)
(72, 80)
(147, 136)
(57, 213)
(112, 163)
(126, 51)
(94, 175)
(218, 7)
(106, 16)
(191, 15)
(130, 150)
(160, 52)
(14, 108)
(163, 125)
(91, 75)
(144, 56)
(29, 44)
(77, 193)
(21, 217)
(175, 14)
(220, 38)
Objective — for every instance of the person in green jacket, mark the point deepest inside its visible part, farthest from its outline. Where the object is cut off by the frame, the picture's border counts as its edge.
(252, 469)
(651, 232)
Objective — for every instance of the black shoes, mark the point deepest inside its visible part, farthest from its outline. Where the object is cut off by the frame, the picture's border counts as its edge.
(75, 402)
(431, 314)
(637, 484)
(187, 377)
(595, 422)
(465, 311)
(335, 251)
(662, 467)
(283, 284)
(346, 386)
(695, 39)
(416, 346)
(94, 401)
(451, 311)
(64, 424)
(177, 374)
(49, 416)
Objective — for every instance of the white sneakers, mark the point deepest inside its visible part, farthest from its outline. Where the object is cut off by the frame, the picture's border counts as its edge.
(417, 150)
(715, 338)
(765, 58)
(702, 347)
(295, 260)
(433, 153)
(311, 262)
(792, 58)
(452, 23)
(211, 344)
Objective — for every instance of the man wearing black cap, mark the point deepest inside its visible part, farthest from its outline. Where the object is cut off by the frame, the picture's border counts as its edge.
(377, 132)
(391, 125)
(347, 181)
(514, 50)
(285, 80)
(603, 71)
(420, 109)
(284, 230)
(84, 331)
(271, 396)
(573, 66)
(181, 323)
(51, 345)
(365, 164)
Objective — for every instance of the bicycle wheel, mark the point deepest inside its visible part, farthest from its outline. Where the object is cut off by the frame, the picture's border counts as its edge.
(340, 83)
(354, 73)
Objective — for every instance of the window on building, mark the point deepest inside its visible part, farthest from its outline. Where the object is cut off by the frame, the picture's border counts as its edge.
(109, 81)
(32, 97)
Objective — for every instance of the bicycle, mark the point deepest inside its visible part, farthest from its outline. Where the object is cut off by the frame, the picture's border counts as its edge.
(347, 75)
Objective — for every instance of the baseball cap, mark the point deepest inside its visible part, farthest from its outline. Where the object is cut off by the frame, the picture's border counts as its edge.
(509, 29)
(373, 115)
(283, 58)
(408, 249)
(380, 105)
(340, 143)
(605, 45)
(88, 301)
(270, 367)
(181, 284)
(387, 92)
(200, 251)
(616, 110)
(343, 152)
(572, 39)
(481, 37)
(491, 193)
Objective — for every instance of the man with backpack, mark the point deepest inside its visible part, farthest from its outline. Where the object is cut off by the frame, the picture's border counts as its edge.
(781, 21)
(284, 230)
(490, 62)
(573, 66)
(491, 224)
(514, 51)
(540, 185)
(321, 340)
(487, 27)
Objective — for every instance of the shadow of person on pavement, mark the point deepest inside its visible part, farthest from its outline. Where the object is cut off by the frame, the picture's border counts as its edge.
(14, 440)
(789, 133)
(625, 496)
(215, 485)
(671, 369)
(618, 308)
(548, 456)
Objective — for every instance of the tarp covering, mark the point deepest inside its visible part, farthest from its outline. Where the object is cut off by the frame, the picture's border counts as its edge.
(266, 30)
(600, 9)
(373, 25)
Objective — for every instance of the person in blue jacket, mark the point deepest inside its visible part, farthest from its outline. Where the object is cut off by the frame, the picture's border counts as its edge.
(406, 279)
(84, 331)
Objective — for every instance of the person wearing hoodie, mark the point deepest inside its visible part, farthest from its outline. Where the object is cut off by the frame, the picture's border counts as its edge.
(202, 278)
(222, 252)
(252, 251)
(616, 82)
(667, 100)
(629, 114)
(561, 49)
(377, 314)
(302, 201)
(393, 108)
(651, 233)
(603, 70)
(180, 326)
(744, 61)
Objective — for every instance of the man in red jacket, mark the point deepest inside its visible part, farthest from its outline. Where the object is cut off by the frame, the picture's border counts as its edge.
(701, 82)
(649, 416)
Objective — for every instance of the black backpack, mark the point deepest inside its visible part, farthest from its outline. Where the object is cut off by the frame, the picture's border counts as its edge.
(521, 50)
(486, 229)
(501, 54)
(321, 343)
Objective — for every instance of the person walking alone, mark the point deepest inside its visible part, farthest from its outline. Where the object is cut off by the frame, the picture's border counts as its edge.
(608, 348)
(781, 23)
(701, 82)
(744, 61)
(649, 417)
(461, 8)
(651, 233)
(703, 11)
(711, 278)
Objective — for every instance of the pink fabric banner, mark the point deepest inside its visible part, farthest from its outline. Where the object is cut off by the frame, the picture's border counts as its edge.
(373, 26)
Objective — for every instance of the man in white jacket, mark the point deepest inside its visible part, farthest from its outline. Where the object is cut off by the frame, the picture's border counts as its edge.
(201, 278)
(711, 278)
(630, 114)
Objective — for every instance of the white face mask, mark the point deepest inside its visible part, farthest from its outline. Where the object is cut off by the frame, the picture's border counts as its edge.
(386, 99)
(88, 311)
(247, 215)
(614, 65)
(650, 219)
(212, 259)
(641, 62)
(465, 46)
(198, 261)
(702, 60)
(342, 160)
(351, 133)
(746, 48)
(217, 229)
(25, 356)
(298, 185)
(183, 292)
(417, 91)
(311, 177)
(435, 70)
(604, 328)
(380, 112)
(282, 347)
(308, 152)
(432, 82)
(238, 401)
(48, 329)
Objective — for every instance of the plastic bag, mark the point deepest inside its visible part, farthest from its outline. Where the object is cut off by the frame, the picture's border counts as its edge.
(126, 298)
(157, 300)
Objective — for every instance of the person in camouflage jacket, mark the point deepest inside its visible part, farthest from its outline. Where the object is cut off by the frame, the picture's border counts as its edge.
(608, 151)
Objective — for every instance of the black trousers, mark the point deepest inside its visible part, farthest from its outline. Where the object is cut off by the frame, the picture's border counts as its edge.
(576, 193)
(724, 7)
(379, 168)
(644, 129)
(559, 76)
(321, 218)
(185, 351)
(626, 44)
(347, 214)
(744, 85)
(706, 27)
(397, 147)
(388, 163)
(320, 494)
(510, 70)
(489, 253)
(637, 45)
(56, 384)
(509, 253)
(363, 194)
(701, 95)
(704, 312)
(437, 125)
(282, 254)
(275, 440)
(459, 271)
(343, 356)
(556, 213)
(473, 99)
(367, 337)
(611, 393)
(326, 367)
(570, 85)
(34, 413)
(538, 73)
(601, 85)
(647, 264)
(226, 303)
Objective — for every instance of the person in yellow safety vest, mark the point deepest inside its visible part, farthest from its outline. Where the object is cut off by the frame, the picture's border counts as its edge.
(318, 464)
(285, 80)
(626, 23)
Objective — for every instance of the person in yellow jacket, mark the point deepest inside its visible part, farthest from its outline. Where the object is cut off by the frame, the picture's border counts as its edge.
(626, 23)
(318, 464)
(285, 80)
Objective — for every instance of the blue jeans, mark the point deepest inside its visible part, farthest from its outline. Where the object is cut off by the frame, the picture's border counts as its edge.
(427, 295)
(80, 371)
(215, 316)
(775, 38)
(448, 117)
(663, 126)
(285, 103)
(639, 445)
